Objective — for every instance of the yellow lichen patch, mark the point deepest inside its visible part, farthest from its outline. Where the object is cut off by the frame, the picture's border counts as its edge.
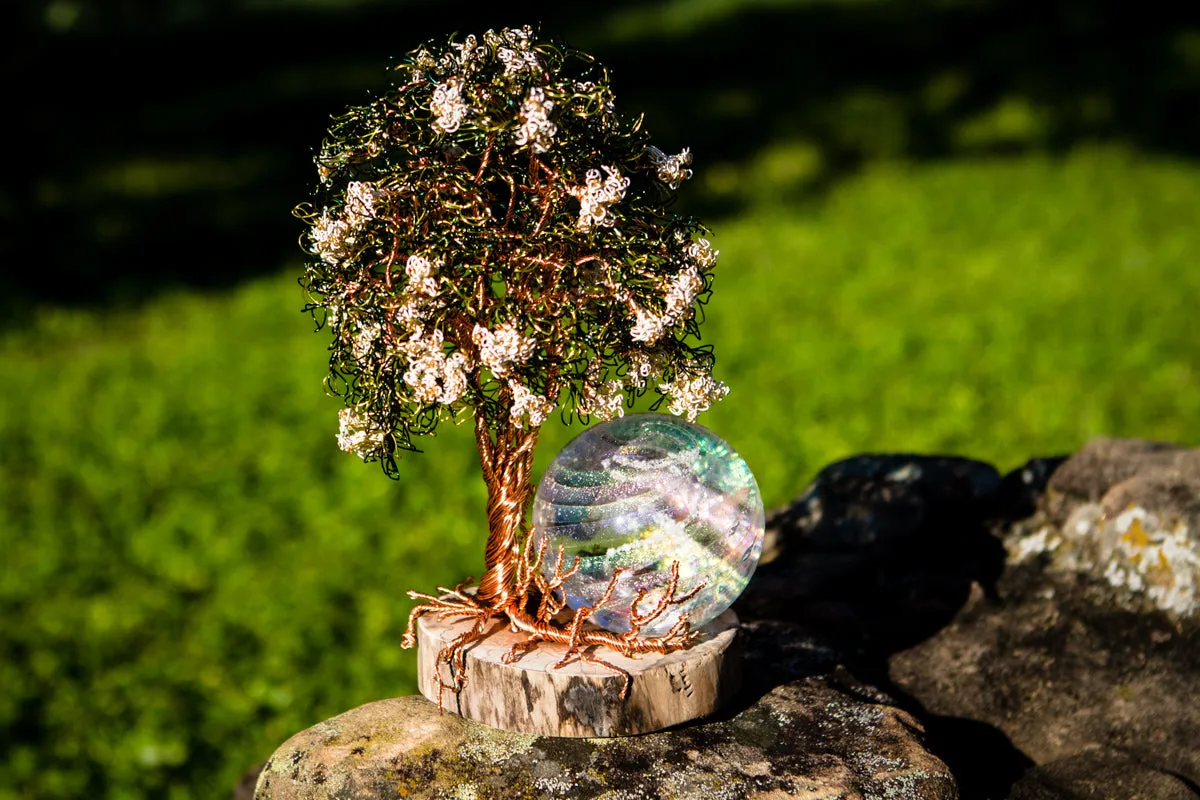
(1135, 536)
(1159, 571)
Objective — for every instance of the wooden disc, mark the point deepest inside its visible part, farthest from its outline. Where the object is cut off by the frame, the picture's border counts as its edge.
(581, 699)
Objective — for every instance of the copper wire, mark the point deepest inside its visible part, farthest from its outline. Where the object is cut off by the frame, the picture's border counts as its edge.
(508, 496)
(521, 585)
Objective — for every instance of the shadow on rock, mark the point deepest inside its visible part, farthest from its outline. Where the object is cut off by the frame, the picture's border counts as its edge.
(983, 759)
(880, 553)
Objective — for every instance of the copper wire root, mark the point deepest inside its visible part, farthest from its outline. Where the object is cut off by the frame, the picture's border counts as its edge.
(532, 589)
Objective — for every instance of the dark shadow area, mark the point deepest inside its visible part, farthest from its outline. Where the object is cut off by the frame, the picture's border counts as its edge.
(881, 551)
(163, 144)
(984, 761)
(878, 554)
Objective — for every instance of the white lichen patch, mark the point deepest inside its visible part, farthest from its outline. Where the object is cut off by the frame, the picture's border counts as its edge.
(1135, 551)
(489, 749)
(557, 786)
(1160, 560)
(1044, 540)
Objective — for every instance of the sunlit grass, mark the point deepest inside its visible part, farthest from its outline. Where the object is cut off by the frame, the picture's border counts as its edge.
(193, 571)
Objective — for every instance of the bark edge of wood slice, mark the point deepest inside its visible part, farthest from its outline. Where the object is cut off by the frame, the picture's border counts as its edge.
(581, 699)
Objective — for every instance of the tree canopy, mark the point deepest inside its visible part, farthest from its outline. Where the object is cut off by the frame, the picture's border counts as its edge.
(491, 234)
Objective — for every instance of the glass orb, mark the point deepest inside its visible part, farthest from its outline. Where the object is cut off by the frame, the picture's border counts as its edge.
(640, 493)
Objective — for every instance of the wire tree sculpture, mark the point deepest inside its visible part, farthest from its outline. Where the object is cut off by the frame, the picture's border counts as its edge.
(490, 238)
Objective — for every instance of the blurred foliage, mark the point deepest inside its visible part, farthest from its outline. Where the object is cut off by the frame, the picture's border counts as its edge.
(188, 555)
(923, 248)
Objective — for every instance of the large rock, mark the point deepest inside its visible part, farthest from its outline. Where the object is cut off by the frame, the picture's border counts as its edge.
(879, 553)
(1088, 645)
(808, 738)
(1164, 475)
(925, 576)
(1055, 671)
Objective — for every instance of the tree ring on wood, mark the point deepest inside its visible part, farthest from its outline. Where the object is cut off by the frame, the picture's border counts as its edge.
(580, 699)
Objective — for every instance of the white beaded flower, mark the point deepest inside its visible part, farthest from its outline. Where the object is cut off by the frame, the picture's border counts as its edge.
(355, 434)
(536, 129)
(605, 401)
(528, 408)
(501, 347)
(420, 271)
(362, 199)
(364, 340)
(332, 238)
(597, 195)
(648, 327)
(433, 376)
(671, 170)
(691, 394)
(448, 106)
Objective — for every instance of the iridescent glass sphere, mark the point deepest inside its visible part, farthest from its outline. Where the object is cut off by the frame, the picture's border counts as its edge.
(640, 493)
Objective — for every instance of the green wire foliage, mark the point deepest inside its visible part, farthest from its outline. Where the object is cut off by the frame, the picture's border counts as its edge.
(491, 234)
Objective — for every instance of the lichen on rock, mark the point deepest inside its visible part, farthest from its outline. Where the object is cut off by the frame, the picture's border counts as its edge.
(1135, 551)
(806, 738)
(1125, 511)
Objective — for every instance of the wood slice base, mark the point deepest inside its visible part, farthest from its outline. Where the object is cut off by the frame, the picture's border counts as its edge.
(581, 699)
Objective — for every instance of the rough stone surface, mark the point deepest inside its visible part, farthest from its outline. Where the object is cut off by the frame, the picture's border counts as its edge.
(1105, 463)
(807, 738)
(1100, 774)
(898, 566)
(1054, 670)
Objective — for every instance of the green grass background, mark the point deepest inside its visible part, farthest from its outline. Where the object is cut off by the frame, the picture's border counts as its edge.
(193, 571)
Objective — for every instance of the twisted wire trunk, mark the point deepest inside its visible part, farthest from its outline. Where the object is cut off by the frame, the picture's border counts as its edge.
(507, 463)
